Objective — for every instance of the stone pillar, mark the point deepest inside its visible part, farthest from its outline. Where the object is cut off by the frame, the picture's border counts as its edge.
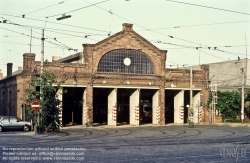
(87, 114)
(179, 108)
(196, 106)
(112, 107)
(161, 104)
(134, 107)
(155, 108)
(9, 69)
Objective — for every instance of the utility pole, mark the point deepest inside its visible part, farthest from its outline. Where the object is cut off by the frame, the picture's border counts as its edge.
(191, 90)
(243, 71)
(30, 38)
(214, 102)
(42, 52)
(191, 111)
(41, 71)
(242, 95)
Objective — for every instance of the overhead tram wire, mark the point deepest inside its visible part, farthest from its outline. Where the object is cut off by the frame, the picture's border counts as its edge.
(61, 46)
(85, 36)
(165, 34)
(213, 55)
(197, 25)
(153, 31)
(205, 48)
(36, 38)
(157, 42)
(28, 44)
(32, 37)
(60, 24)
(116, 15)
(209, 7)
(54, 29)
(23, 15)
(77, 9)
(64, 46)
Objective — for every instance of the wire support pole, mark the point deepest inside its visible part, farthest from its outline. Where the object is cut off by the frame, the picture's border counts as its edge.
(242, 94)
(42, 51)
(191, 112)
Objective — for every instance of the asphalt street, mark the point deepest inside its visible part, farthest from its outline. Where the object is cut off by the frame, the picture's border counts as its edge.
(147, 143)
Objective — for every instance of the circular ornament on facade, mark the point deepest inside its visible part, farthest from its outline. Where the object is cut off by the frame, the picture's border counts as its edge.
(127, 61)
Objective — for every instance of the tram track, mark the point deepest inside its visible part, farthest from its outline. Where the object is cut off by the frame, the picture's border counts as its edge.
(160, 135)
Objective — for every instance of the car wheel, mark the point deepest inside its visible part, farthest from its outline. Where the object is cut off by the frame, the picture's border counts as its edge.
(1, 128)
(26, 128)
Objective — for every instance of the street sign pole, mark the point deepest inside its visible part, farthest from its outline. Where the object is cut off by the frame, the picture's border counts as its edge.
(35, 106)
(35, 124)
(23, 107)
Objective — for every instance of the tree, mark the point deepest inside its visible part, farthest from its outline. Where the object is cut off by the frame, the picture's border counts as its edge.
(48, 114)
(229, 104)
(247, 100)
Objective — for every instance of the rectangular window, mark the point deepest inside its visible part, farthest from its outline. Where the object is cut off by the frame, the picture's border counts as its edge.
(6, 120)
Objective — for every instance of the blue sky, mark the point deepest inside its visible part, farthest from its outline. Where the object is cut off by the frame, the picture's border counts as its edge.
(169, 25)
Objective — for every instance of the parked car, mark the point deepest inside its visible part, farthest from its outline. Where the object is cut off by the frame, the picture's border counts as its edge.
(11, 122)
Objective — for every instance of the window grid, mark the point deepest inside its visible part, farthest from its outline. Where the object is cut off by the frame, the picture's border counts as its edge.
(112, 62)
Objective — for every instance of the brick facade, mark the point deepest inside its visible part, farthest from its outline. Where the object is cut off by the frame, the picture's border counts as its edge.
(12, 93)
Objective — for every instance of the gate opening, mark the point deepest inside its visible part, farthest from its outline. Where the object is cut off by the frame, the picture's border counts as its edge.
(123, 106)
(100, 105)
(146, 106)
(169, 105)
(186, 102)
(72, 105)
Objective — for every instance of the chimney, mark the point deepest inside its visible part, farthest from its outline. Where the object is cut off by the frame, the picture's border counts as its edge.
(1, 74)
(28, 62)
(9, 69)
(127, 27)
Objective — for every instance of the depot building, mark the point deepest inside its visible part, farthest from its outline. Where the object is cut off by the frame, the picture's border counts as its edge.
(120, 80)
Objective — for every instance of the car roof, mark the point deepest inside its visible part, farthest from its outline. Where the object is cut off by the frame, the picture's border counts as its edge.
(7, 116)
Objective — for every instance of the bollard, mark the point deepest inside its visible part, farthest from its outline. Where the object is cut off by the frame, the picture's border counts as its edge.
(191, 124)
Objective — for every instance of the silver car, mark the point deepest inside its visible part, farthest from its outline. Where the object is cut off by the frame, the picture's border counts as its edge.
(11, 122)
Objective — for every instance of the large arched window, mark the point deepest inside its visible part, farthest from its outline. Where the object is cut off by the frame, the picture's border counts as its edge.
(126, 61)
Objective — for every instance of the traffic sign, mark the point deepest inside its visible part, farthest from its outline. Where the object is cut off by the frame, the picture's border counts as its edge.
(35, 105)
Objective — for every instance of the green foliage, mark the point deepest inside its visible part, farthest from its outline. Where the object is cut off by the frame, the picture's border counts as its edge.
(229, 104)
(48, 114)
(247, 99)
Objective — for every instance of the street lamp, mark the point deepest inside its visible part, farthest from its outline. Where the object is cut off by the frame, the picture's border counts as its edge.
(64, 17)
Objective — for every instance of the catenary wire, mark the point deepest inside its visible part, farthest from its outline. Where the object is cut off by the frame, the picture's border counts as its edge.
(78, 9)
(209, 7)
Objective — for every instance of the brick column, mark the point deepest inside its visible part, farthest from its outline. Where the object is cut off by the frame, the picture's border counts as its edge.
(87, 114)
(162, 105)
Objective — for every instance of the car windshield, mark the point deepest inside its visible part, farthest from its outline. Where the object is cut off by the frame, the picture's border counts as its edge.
(148, 109)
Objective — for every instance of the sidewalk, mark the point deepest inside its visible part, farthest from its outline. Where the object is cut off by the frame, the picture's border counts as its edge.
(233, 124)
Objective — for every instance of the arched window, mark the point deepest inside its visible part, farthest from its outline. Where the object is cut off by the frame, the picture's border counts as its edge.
(126, 61)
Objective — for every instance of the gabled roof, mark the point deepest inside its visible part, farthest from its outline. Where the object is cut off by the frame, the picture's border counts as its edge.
(126, 28)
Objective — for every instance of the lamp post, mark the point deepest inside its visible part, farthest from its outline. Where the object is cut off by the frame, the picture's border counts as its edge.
(64, 17)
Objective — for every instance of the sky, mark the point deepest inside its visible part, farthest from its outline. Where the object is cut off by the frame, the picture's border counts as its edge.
(192, 31)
